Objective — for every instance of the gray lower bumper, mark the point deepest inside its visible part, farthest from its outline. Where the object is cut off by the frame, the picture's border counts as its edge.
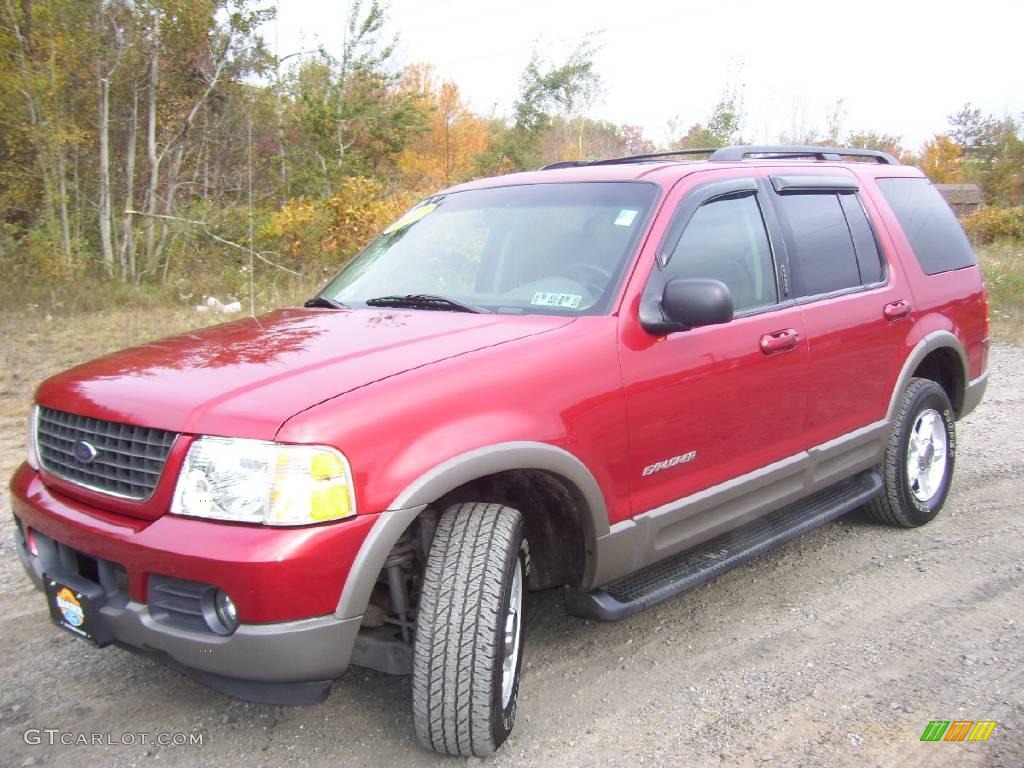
(256, 662)
(287, 652)
(972, 396)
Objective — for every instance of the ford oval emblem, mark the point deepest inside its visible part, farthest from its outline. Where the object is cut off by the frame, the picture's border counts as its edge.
(85, 452)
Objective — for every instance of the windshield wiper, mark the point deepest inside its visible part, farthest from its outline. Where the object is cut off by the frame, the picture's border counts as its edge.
(425, 301)
(323, 301)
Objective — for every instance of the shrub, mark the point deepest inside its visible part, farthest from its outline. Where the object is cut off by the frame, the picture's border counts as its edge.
(317, 237)
(989, 224)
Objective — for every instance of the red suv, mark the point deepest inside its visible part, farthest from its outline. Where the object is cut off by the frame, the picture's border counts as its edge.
(622, 377)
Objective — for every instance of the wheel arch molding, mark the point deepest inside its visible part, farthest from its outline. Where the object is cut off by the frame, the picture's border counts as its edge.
(462, 470)
(935, 342)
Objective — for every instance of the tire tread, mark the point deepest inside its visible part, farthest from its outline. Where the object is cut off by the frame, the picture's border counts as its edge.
(455, 649)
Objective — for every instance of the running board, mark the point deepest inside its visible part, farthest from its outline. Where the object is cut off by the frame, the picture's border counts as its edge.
(650, 586)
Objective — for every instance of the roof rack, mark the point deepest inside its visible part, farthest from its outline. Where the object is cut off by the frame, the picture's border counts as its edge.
(786, 152)
(740, 153)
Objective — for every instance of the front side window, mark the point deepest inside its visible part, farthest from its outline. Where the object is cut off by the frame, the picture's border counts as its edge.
(557, 248)
(726, 240)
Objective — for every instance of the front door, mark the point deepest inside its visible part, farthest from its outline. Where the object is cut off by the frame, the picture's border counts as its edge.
(712, 404)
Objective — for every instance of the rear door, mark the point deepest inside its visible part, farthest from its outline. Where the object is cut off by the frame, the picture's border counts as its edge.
(856, 304)
(714, 403)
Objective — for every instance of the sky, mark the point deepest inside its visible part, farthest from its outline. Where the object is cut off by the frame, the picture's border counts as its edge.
(900, 67)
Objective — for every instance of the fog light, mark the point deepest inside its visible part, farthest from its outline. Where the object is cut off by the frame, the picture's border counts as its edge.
(226, 611)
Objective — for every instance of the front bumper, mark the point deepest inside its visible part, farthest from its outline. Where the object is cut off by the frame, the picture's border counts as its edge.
(289, 651)
(285, 582)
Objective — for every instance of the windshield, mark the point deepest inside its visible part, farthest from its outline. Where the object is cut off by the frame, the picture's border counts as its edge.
(530, 249)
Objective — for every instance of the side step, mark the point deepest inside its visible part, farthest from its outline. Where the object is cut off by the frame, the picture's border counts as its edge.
(636, 591)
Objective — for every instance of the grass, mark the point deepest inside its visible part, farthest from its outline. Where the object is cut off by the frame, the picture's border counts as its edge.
(1003, 267)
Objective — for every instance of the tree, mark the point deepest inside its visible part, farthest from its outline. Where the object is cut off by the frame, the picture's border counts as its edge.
(940, 160)
(722, 127)
(834, 115)
(634, 142)
(81, 79)
(880, 142)
(601, 138)
(445, 151)
(348, 116)
(968, 128)
(993, 153)
(546, 91)
(192, 52)
(110, 39)
(45, 49)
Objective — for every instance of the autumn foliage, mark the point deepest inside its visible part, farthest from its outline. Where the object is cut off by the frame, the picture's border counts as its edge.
(319, 235)
(161, 144)
(446, 150)
(989, 224)
(940, 160)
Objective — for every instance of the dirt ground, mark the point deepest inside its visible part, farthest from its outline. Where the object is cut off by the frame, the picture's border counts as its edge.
(836, 650)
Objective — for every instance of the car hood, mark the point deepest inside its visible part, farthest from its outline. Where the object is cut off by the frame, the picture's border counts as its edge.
(246, 378)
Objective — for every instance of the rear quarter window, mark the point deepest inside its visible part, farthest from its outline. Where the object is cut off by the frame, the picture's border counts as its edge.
(938, 241)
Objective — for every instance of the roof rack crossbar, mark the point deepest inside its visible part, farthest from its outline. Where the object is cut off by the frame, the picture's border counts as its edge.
(740, 153)
(736, 154)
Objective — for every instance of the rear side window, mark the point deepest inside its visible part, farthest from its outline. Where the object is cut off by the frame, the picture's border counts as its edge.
(821, 253)
(939, 243)
(869, 261)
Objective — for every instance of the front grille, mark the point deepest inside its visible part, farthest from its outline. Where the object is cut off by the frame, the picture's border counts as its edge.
(128, 459)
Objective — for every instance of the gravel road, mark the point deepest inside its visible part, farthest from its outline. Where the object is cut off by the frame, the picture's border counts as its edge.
(834, 651)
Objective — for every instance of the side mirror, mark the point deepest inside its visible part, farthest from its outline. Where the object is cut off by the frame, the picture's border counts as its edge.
(691, 303)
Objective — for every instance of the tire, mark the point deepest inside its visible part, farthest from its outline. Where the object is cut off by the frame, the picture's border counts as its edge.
(924, 415)
(460, 705)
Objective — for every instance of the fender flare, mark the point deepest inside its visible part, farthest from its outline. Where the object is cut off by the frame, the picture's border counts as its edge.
(931, 342)
(448, 476)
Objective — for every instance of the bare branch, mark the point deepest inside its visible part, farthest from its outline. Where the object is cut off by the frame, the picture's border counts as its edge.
(202, 225)
(210, 87)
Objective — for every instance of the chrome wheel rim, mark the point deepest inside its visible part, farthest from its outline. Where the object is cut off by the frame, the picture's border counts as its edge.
(511, 635)
(926, 454)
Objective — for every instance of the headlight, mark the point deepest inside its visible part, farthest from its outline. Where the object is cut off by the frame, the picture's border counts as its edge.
(253, 481)
(32, 447)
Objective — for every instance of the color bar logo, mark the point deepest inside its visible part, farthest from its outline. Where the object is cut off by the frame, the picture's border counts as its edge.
(958, 730)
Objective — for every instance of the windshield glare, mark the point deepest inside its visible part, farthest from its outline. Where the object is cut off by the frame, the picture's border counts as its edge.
(531, 249)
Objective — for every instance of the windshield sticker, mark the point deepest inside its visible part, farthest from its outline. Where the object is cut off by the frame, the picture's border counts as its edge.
(567, 300)
(411, 217)
(625, 218)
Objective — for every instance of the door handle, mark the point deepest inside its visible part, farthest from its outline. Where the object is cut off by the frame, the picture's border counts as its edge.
(780, 341)
(896, 310)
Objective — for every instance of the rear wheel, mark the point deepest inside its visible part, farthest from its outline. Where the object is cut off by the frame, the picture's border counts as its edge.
(918, 466)
(469, 631)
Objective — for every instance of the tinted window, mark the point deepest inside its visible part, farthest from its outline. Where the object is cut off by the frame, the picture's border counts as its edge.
(933, 231)
(726, 240)
(868, 259)
(821, 253)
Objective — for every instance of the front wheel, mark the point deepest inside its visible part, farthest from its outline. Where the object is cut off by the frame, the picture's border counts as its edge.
(469, 631)
(918, 466)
